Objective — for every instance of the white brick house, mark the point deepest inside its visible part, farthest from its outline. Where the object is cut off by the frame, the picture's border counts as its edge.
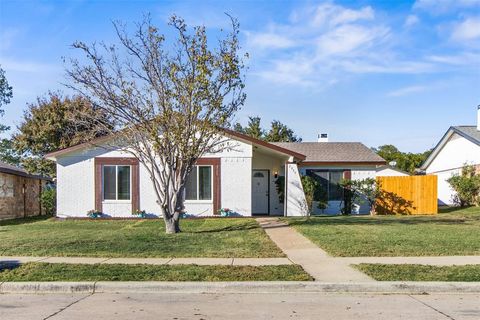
(241, 179)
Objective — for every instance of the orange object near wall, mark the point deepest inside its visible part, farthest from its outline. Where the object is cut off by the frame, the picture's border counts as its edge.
(408, 195)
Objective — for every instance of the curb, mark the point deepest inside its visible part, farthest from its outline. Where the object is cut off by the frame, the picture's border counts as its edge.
(387, 287)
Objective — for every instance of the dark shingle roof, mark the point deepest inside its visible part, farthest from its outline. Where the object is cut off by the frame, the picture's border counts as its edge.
(469, 132)
(333, 151)
(10, 169)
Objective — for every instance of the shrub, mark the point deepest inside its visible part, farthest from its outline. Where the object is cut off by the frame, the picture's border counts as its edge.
(48, 200)
(313, 192)
(368, 189)
(280, 185)
(466, 187)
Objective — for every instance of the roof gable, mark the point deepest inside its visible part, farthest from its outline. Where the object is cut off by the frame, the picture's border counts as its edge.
(468, 132)
(233, 134)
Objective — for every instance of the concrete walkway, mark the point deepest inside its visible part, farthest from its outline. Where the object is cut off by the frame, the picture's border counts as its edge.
(314, 260)
(152, 261)
(432, 261)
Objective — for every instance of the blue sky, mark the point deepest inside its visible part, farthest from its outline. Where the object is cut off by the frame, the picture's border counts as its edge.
(379, 72)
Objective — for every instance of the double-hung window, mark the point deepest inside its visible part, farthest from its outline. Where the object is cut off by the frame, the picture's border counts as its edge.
(116, 182)
(199, 184)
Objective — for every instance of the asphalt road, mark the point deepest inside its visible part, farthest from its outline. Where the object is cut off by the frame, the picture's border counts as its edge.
(177, 306)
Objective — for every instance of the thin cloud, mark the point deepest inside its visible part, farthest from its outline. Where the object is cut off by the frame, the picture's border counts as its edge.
(25, 66)
(347, 39)
(444, 6)
(411, 21)
(269, 41)
(334, 15)
(330, 42)
(467, 30)
(461, 59)
(406, 91)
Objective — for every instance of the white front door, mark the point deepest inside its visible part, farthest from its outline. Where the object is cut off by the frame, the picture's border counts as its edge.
(260, 192)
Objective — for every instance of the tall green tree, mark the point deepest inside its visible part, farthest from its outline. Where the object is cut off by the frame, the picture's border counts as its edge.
(252, 129)
(278, 132)
(54, 122)
(7, 153)
(406, 161)
(6, 91)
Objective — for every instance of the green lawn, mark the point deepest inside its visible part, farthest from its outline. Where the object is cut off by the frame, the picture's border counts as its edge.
(452, 232)
(218, 237)
(120, 272)
(416, 272)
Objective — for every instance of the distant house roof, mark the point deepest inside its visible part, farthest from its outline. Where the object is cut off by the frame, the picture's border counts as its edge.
(389, 167)
(329, 152)
(471, 133)
(10, 169)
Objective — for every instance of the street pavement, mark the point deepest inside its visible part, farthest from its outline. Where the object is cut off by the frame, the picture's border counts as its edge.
(177, 306)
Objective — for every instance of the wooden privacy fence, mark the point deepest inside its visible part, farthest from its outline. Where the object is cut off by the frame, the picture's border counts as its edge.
(408, 195)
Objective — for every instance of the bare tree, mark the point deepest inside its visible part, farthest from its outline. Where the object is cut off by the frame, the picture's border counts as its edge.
(169, 101)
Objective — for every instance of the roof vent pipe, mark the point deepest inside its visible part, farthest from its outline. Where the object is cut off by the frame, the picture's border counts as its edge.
(323, 137)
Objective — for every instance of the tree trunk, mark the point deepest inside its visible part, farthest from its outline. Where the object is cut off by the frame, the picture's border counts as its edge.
(373, 209)
(172, 225)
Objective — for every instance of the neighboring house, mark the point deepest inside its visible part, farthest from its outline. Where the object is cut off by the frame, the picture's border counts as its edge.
(241, 178)
(19, 192)
(460, 145)
(331, 162)
(389, 171)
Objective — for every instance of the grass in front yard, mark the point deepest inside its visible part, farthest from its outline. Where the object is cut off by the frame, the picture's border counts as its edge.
(452, 232)
(240, 238)
(417, 272)
(37, 271)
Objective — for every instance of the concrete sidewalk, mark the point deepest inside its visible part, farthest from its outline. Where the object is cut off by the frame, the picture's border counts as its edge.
(314, 260)
(152, 261)
(237, 306)
(432, 261)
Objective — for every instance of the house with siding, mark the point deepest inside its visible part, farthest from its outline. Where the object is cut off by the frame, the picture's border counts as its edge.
(460, 145)
(243, 179)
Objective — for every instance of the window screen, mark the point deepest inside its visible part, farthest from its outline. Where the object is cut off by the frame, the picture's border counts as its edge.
(109, 183)
(199, 184)
(191, 185)
(205, 183)
(123, 173)
(116, 182)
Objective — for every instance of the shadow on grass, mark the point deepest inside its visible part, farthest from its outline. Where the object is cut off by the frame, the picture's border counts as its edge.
(446, 209)
(9, 264)
(244, 227)
(18, 221)
(379, 220)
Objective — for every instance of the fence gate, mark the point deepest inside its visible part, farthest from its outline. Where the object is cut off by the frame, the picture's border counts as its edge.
(408, 195)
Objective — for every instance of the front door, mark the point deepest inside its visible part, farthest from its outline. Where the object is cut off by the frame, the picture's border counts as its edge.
(260, 192)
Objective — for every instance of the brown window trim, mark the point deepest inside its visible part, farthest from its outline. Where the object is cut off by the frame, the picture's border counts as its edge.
(216, 164)
(341, 163)
(133, 162)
